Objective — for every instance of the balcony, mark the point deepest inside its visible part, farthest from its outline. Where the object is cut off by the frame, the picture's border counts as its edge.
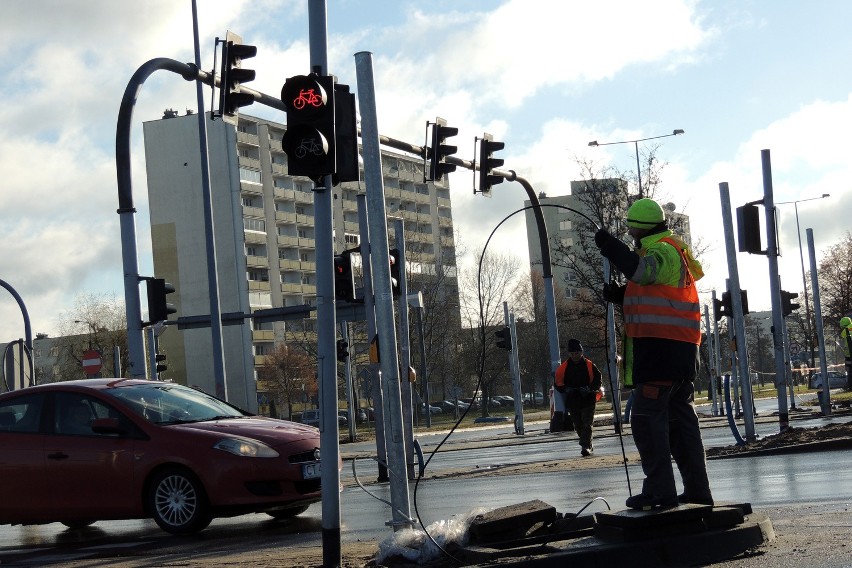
(247, 138)
(257, 261)
(285, 240)
(259, 286)
(249, 162)
(286, 217)
(284, 193)
(262, 335)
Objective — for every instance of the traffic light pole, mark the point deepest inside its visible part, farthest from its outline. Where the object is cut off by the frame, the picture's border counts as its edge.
(405, 351)
(826, 388)
(737, 313)
(775, 292)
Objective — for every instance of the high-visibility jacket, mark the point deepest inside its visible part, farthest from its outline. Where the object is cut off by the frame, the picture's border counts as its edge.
(846, 339)
(661, 299)
(559, 377)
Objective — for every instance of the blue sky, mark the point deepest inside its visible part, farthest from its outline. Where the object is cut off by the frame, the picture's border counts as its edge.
(545, 77)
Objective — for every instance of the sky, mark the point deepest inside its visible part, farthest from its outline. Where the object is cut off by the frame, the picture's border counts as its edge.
(543, 76)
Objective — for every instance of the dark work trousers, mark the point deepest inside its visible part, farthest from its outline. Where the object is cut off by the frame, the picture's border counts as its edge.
(583, 417)
(665, 425)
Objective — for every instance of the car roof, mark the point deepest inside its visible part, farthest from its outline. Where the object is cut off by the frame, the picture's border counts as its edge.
(96, 384)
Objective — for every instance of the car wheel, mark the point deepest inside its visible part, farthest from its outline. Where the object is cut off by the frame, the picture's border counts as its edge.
(77, 524)
(284, 514)
(177, 502)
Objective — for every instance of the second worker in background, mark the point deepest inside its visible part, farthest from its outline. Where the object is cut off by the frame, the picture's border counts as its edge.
(579, 381)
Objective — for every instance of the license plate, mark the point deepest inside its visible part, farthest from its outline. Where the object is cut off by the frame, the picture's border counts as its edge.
(311, 470)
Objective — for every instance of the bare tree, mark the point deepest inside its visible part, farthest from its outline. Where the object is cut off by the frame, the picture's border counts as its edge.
(290, 375)
(96, 322)
(495, 280)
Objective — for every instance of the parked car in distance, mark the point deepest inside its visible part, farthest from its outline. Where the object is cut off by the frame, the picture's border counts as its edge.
(505, 400)
(534, 398)
(78, 452)
(432, 409)
(836, 380)
(311, 417)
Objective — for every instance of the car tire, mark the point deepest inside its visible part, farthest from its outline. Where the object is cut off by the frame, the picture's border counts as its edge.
(284, 514)
(177, 502)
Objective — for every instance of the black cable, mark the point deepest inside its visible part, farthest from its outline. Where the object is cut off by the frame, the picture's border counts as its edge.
(481, 371)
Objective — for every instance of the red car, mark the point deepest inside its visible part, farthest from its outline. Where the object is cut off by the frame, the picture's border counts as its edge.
(77, 452)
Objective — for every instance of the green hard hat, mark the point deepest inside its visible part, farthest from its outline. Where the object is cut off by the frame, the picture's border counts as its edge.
(644, 214)
(846, 322)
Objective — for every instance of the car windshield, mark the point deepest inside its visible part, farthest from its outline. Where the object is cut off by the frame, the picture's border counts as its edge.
(164, 403)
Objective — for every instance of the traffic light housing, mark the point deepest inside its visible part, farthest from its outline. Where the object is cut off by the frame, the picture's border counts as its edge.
(158, 306)
(310, 139)
(748, 229)
(722, 308)
(342, 350)
(232, 76)
(395, 259)
(346, 136)
(504, 338)
(344, 280)
(487, 163)
(440, 150)
(162, 365)
(787, 305)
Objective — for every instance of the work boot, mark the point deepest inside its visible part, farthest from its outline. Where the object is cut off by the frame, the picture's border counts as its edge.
(586, 452)
(684, 498)
(644, 502)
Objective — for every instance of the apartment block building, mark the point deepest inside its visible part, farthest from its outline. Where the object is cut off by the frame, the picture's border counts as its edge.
(265, 236)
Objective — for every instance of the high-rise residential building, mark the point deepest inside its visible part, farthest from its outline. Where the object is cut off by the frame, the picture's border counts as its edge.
(264, 237)
(562, 226)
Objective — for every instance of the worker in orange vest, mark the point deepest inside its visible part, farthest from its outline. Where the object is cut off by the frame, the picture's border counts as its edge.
(579, 382)
(662, 321)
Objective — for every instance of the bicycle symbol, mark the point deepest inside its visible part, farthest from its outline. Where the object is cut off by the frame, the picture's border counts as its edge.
(309, 146)
(307, 97)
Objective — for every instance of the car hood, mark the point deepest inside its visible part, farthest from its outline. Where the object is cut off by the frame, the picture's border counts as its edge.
(268, 430)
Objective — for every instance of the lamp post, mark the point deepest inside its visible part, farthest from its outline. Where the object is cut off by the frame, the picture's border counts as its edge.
(636, 146)
(804, 280)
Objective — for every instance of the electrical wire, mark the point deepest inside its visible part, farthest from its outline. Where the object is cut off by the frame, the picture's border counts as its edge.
(481, 372)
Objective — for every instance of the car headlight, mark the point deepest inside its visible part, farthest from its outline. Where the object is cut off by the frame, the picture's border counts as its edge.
(245, 447)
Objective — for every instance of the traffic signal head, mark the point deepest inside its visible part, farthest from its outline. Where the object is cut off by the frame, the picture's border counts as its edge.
(232, 75)
(344, 280)
(310, 140)
(722, 308)
(748, 229)
(161, 362)
(440, 150)
(342, 350)
(487, 163)
(395, 259)
(346, 136)
(504, 338)
(787, 305)
(158, 308)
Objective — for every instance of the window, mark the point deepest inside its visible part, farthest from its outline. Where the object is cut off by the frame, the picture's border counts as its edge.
(304, 257)
(252, 202)
(75, 412)
(300, 210)
(251, 176)
(303, 234)
(21, 414)
(251, 251)
(254, 224)
(351, 239)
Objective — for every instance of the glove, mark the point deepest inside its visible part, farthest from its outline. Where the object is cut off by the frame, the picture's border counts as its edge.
(601, 237)
(614, 293)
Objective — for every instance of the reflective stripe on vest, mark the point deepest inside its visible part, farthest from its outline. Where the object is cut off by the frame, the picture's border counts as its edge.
(663, 311)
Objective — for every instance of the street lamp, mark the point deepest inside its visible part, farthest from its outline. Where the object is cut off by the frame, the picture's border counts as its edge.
(802, 260)
(636, 146)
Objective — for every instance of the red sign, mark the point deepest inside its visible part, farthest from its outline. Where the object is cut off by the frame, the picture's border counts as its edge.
(91, 362)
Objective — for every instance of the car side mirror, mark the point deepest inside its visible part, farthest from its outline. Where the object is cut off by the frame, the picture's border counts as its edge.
(107, 426)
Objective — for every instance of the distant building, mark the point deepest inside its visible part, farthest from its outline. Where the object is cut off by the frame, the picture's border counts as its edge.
(264, 228)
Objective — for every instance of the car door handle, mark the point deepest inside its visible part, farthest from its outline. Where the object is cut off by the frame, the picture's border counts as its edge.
(58, 456)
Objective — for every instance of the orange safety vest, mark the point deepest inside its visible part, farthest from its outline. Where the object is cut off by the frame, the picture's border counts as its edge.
(664, 311)
(559, 380)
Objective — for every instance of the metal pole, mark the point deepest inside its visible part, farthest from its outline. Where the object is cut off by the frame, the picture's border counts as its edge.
(823, 367)
(400, 505)
(614, 384)
(712, 373)
(404, 341)
(810, 337)
(421, 342)
(717, 354)
(638, 169)
(737, 309)
(209, 231)
(347, 373)
(775, 290)
(326, 319)
(369, 308)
